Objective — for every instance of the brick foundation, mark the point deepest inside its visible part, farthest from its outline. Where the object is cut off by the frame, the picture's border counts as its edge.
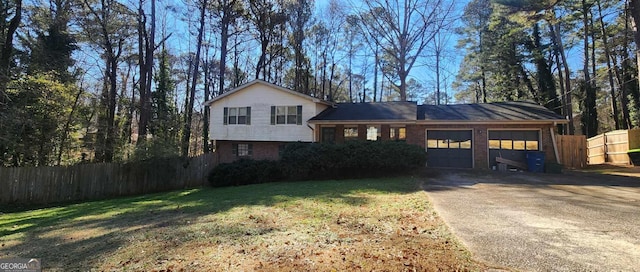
(261, 150)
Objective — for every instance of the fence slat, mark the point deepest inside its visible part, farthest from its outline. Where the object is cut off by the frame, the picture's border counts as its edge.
(612, 147)
(42, 185)
(572, 150)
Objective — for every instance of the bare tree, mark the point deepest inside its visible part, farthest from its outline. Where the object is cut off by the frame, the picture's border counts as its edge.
(403, 29)
(300, 15)
(194, 65)
(265, 16)
(146, 48)
(6, 47)
(105, 25)
(227, 12)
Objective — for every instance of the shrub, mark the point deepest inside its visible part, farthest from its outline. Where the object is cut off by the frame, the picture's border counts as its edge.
(302, 161)
(352, 159)
(245, 171)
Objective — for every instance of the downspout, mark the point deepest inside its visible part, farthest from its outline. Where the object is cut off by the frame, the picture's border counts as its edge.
(553, 140)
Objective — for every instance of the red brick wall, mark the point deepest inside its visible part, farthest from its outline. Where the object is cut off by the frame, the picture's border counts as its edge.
(416, 134)
(362, 132)
(385, 134)
(261, 150)
(339, 133)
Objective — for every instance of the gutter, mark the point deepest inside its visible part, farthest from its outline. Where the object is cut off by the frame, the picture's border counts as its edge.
(444, 122)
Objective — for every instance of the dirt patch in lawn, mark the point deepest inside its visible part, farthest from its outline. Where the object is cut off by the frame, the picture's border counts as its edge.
(384, 225)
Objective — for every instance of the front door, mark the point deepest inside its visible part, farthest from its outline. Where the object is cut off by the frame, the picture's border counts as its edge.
(328, 134)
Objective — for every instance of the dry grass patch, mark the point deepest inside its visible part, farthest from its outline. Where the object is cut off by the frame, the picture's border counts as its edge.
(375, 224)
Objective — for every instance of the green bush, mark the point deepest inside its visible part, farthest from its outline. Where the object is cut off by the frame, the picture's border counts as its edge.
(303, 161)
(245, 171)
(353, 159)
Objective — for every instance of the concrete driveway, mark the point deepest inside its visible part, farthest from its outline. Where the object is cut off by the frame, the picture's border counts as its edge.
(543, 222)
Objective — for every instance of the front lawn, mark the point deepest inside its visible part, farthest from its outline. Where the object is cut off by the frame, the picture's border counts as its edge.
(371, 224)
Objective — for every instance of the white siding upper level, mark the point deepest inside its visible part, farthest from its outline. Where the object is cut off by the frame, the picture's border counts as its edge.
(260, 96)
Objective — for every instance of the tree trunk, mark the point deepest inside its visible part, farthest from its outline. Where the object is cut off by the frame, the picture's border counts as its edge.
(634, 8)
(142, 82)
(6, 51)
(375, 74)
(483, 77)
(186, 136)
(67, 125)
(260, 67)
(589, 114)
(622, 75)
(568, 106)
(224, 43)
(207, 94)
(402, 74)
(607, 52)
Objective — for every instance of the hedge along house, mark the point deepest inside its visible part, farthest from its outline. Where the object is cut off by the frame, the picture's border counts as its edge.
(457, 136)
(257, 119)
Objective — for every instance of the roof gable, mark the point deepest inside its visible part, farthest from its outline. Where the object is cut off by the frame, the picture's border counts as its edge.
(271, 85)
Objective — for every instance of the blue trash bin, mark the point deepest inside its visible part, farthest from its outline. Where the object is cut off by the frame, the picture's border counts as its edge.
(535, 161)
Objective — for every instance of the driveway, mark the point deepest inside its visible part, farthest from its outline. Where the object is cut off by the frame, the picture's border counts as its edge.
(575, 221)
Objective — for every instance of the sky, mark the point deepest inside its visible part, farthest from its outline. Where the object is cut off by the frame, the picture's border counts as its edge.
(172, 15)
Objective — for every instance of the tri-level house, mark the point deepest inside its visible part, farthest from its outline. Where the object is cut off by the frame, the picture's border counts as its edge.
(257, 119)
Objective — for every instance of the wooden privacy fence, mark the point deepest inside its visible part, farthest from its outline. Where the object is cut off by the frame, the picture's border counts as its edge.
(612, 147)
(572, 150)
(42, 185)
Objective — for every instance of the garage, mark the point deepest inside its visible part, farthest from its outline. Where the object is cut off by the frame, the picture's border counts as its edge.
(449, 148)
(512, 144)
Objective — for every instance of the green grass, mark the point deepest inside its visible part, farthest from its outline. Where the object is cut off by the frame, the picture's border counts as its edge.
(254, 227)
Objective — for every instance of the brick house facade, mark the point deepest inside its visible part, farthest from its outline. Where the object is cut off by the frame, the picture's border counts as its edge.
(461, 136)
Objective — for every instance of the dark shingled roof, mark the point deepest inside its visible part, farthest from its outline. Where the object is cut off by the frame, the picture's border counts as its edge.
(404, 111)
(501, 111)
(410, 111)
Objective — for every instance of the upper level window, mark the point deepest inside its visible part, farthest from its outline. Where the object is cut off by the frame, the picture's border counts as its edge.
(237, 116)
(291, 115)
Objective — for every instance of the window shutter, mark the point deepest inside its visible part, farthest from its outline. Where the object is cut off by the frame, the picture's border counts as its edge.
(234, 149)
(248, 115)
(226, 115)
(273, 115)
(299, 117)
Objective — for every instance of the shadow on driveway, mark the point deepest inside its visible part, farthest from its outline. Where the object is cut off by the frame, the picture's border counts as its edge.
(576, 221)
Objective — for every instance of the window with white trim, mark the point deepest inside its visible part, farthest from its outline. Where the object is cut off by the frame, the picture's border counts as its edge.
(286, 115)
(237, 115)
